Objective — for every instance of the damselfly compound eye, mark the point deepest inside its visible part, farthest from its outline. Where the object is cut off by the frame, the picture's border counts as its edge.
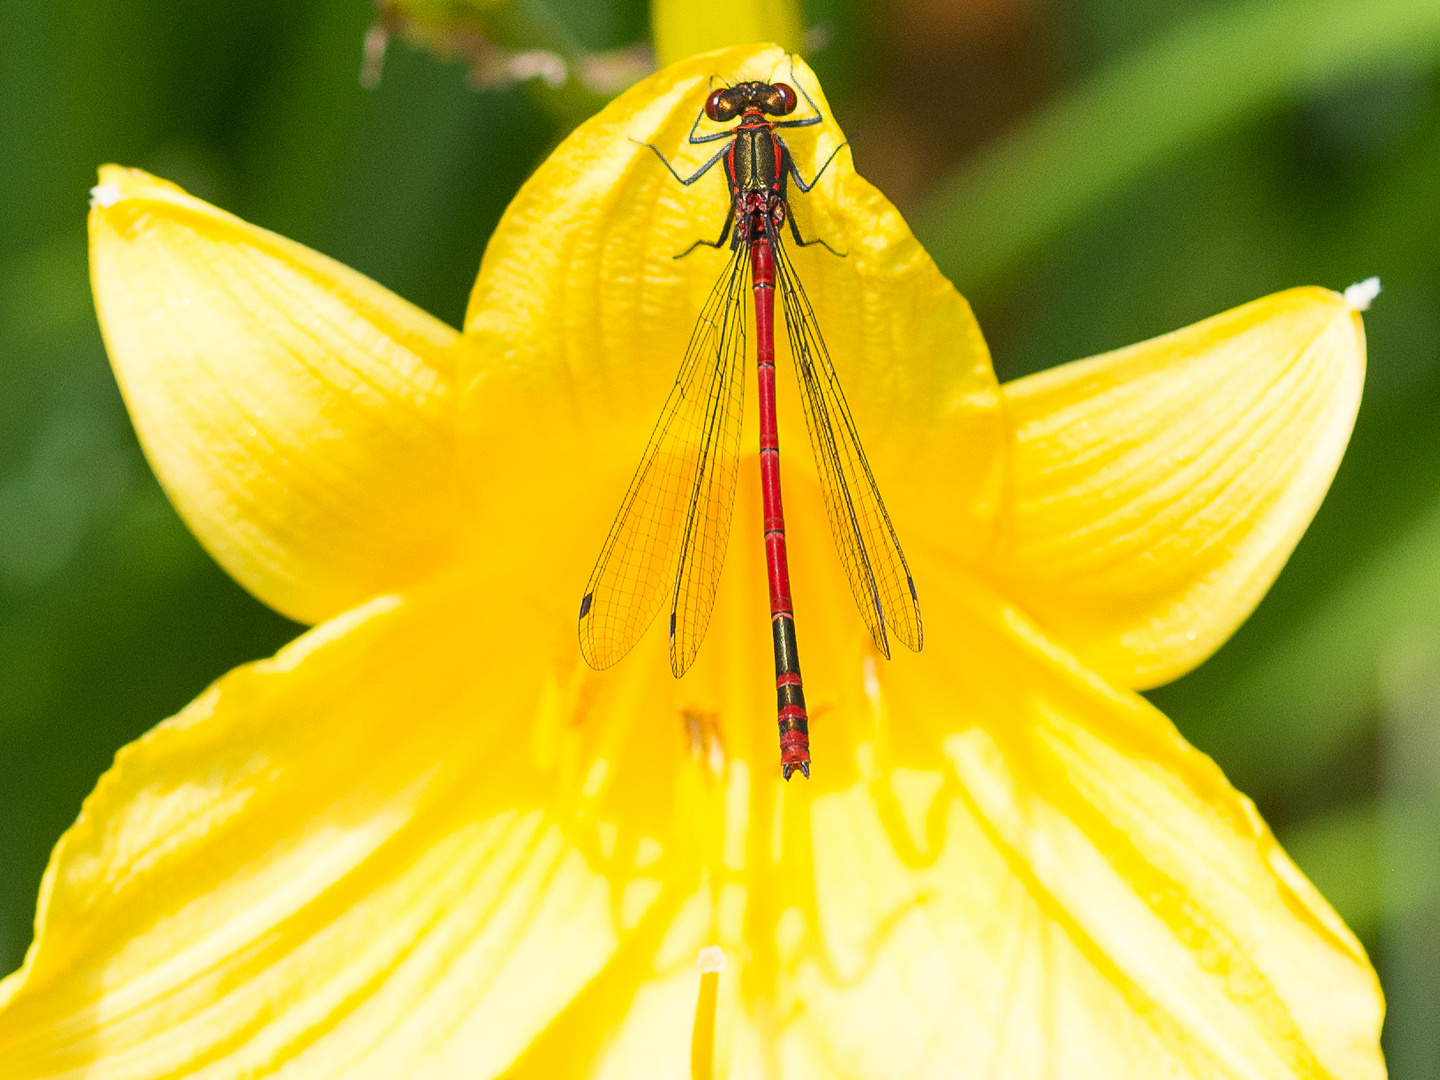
(718, 105)
(782, 100)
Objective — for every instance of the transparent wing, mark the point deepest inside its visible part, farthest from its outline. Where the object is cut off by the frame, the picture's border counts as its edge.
(668, 541)
(879, 576)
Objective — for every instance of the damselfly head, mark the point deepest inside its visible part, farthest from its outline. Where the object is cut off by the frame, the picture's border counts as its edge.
(728, 102)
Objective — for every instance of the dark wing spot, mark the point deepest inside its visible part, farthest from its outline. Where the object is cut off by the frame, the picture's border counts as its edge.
(908, 580)
(672, 624)
(590, 596)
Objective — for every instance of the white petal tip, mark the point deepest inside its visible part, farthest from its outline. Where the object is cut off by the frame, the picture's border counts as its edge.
(711, 959)
(1359, 295)
(104, 196)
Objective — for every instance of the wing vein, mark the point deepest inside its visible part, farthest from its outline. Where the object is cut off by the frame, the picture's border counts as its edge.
(668, 540)
(864, 536)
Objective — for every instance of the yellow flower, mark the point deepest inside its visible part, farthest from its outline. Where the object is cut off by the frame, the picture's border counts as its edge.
(426, 840)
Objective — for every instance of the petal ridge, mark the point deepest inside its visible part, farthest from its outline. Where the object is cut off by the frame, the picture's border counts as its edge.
(1156, 491)
(299, 415)
(177, 934)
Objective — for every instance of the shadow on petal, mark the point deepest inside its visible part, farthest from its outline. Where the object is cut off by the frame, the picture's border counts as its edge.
(298, 414)
(1157, 490)
(343, 858)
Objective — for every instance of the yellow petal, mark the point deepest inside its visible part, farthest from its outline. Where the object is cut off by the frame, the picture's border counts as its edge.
(581, 315)
(332, 861)
(682, 28)
(427, 841)
(1157, 490)
(299, 416)
(1033, 876)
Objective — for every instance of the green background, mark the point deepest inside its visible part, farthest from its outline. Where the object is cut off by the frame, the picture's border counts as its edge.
(1090, 173)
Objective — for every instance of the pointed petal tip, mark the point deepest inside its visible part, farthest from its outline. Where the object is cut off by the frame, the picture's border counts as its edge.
(1361, 295)
(1208, 449)
(118, 183)
(297, 413)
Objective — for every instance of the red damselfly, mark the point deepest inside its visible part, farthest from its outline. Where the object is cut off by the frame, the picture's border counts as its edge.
(668, 540)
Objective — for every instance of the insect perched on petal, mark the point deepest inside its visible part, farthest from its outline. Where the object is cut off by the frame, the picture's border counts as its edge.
(667, 545)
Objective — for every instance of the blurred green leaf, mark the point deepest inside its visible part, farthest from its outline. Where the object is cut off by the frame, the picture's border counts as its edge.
(1194, 81)
(78, 474)
(1340, 852)
(1375, 862)
(46, 290)
(1308, 697)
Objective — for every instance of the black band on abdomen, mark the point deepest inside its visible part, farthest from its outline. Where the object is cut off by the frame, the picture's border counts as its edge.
(787, 652)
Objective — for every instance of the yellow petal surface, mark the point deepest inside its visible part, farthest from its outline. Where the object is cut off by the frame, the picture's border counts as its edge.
(1157, 490)
(581, 315)
(682, 28)
(1019, 873)
(299, 415)
(426, 840)
(333, 863)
